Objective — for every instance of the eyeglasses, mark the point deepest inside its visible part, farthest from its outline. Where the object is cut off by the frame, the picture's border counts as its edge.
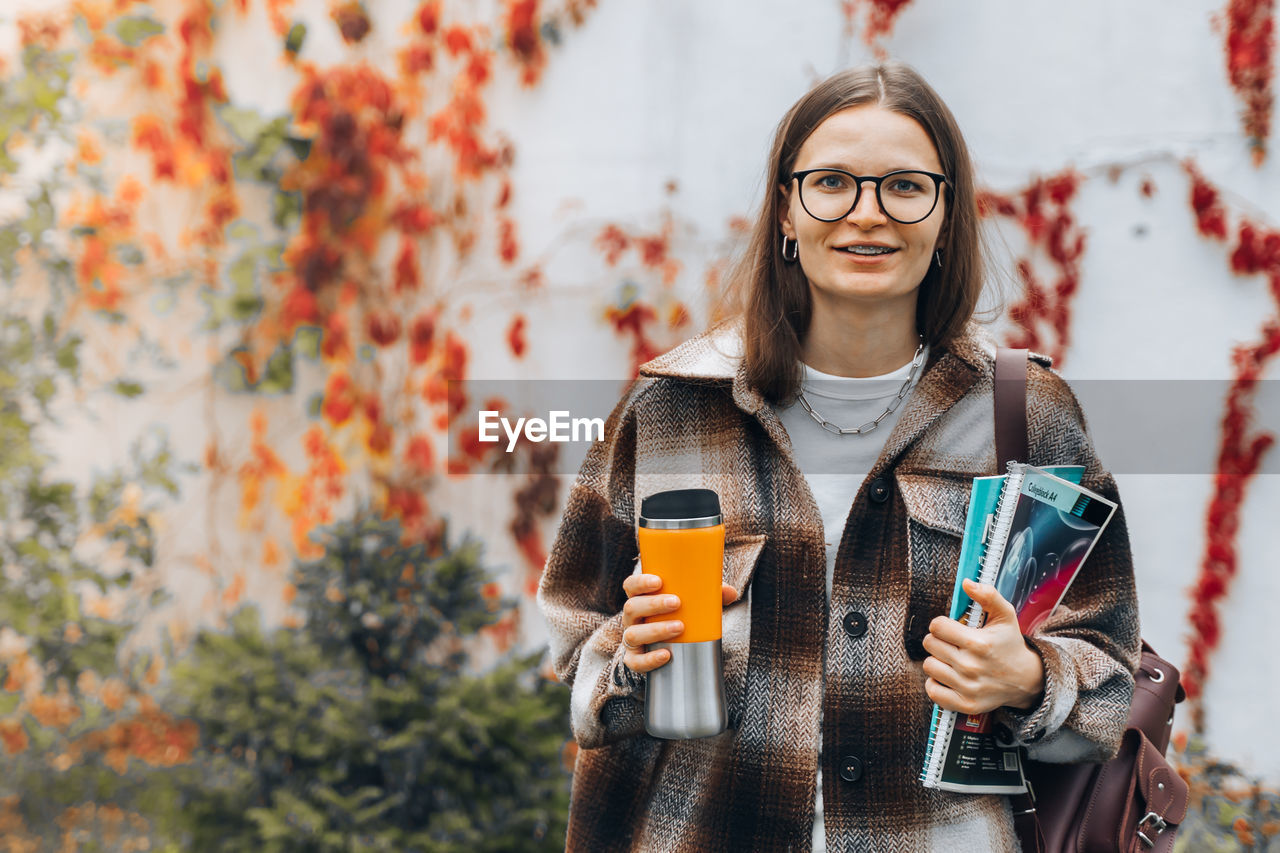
(906, 196)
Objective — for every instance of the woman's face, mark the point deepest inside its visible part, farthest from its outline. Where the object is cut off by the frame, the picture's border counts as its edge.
(864, 140)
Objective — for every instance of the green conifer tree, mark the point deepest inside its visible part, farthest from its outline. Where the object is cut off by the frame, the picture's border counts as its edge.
(368, 727)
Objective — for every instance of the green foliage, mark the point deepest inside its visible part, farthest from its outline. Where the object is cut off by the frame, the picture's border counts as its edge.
(40, 518)
(1219, 807)
(43, 525)
(263, 141)
(255, 160)
(126, 388)
(129, 254)
(133, 30)
(276, 378)
(286, 208)
(366, 729)
(31, 101)
(306, 342)
(45, 794)
(374, 595)
(244, 302)
(294, 38)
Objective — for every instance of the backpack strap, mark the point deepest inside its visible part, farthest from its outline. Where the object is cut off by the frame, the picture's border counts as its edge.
(1011, 407)
(1011, 446)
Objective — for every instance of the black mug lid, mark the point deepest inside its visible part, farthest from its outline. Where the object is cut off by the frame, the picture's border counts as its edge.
(681, 503)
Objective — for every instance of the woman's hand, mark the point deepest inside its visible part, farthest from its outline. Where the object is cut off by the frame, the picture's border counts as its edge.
(644, 600)
(974, 670)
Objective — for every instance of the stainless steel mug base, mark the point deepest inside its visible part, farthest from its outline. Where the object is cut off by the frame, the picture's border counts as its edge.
(684, 698)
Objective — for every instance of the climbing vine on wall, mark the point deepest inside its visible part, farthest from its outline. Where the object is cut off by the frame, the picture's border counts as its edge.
(1041, 320)
(1254, 250)
(648, 325)
(1250, 44)
(1042, 210)
(879, 17)
(293, 271)
(382, 179)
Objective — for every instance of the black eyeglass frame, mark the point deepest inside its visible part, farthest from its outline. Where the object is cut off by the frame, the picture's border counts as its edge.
(938, 182)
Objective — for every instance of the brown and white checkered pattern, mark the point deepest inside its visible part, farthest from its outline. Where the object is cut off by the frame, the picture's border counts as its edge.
(692, 421)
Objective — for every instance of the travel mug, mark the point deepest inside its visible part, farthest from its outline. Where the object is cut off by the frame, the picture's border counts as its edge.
(681, 538)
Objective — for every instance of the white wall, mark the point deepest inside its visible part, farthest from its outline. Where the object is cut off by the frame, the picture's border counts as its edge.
(656, 91)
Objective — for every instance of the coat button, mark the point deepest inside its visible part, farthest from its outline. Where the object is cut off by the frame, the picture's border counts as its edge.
(855, 624)
(851, 768)
(879, 490)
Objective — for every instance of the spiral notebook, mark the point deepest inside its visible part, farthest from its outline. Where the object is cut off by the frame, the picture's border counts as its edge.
(1028, 532)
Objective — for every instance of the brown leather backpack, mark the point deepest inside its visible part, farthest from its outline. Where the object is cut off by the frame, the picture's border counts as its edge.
(1134, 802)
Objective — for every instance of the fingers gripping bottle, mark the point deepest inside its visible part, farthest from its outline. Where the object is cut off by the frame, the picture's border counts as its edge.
(681, 538)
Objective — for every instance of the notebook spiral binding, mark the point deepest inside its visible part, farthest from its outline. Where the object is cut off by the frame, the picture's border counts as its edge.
(993, 551)
(944, 723)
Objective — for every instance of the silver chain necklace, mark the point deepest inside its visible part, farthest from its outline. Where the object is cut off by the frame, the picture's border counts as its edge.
(916, 361)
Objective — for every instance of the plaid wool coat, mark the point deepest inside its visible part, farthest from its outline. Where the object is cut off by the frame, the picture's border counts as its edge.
(692, 421)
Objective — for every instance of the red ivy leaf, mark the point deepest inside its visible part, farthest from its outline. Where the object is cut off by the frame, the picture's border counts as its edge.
(407, 276)
(384, 329)
(339, 399)
(516, 337)
(352, 20)
(612, 241)
(421, 334)
(429, 17)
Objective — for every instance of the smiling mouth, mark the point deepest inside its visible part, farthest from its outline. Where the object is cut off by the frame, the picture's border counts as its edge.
(869, 251)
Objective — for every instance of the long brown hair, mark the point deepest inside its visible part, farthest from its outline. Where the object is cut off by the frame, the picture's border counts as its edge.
(775, 294)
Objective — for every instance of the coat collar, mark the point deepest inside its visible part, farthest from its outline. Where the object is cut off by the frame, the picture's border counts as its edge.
(716, 356)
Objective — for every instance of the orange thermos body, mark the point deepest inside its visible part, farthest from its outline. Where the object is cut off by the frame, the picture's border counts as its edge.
(681, 538)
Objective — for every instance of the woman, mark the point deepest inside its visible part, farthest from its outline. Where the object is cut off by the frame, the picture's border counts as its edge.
(841, 419)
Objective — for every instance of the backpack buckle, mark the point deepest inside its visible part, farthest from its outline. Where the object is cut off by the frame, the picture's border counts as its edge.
(1157, 822)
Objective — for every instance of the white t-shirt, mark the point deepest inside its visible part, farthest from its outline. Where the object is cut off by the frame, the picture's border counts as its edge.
(835, 465)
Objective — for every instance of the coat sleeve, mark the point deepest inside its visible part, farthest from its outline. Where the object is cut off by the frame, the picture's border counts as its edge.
(580, 592)
(1091, 645)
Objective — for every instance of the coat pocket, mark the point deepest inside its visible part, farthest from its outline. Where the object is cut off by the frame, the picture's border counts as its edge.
(741, 554)
(936, 508)
(936, 502)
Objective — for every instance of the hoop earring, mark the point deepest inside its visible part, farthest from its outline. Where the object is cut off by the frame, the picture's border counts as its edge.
(937, 257)
(795, 251)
